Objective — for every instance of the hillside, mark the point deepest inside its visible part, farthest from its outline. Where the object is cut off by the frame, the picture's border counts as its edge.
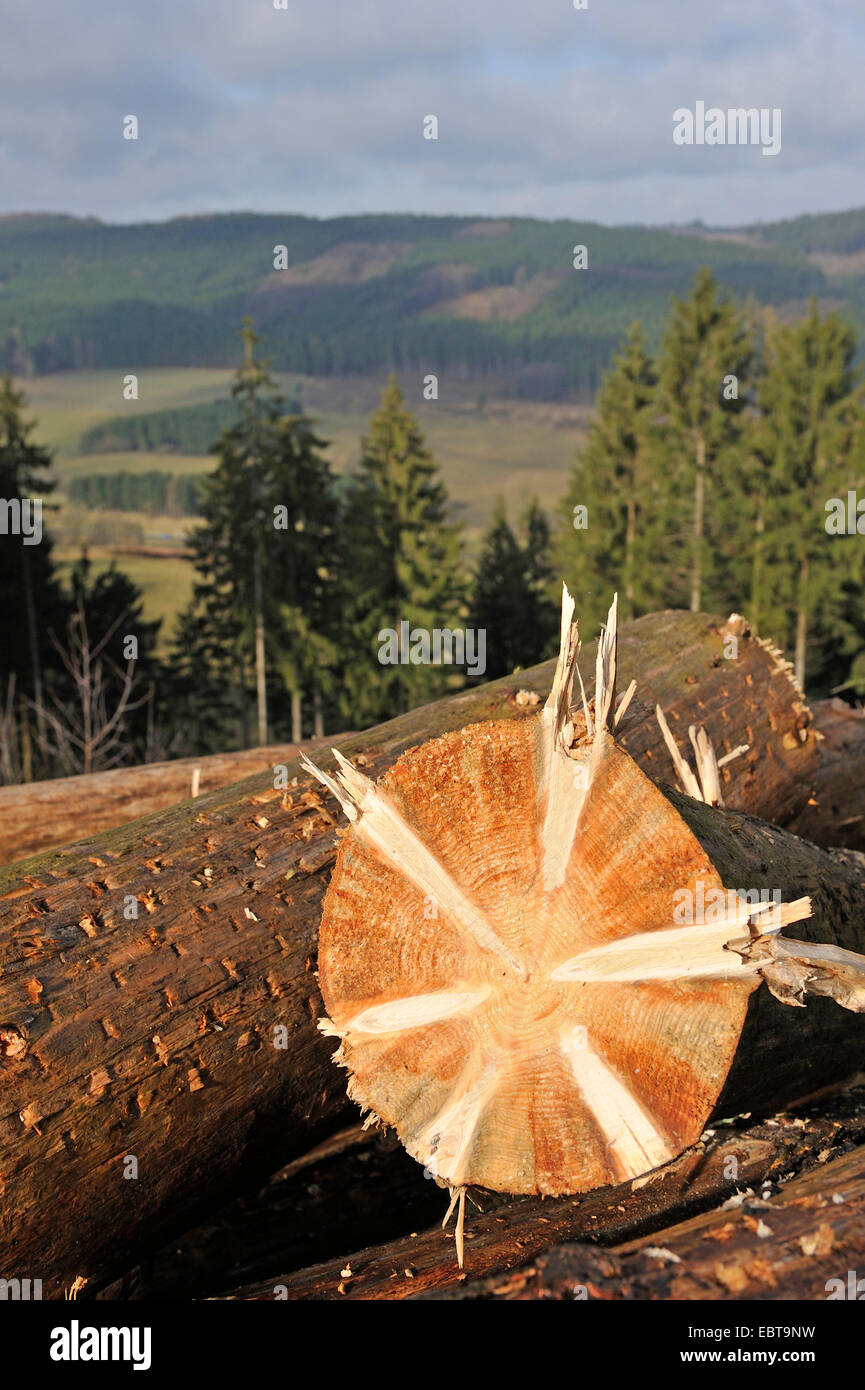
(481, 298)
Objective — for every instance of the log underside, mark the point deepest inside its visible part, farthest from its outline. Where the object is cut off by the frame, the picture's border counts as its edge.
(835, 815)
(806, 1243)
(302, 1236)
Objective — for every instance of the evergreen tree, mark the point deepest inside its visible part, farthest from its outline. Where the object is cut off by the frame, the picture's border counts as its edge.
(543, 578)
(511, 599)
(807, 447)
(263, 555)
(401, 562)
(612, 538)
(842, 666)
(705, 355)
(31, 602)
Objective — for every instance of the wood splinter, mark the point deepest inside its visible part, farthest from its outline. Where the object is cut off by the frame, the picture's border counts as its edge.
(505, 958)
(792, 969)
(706, 785)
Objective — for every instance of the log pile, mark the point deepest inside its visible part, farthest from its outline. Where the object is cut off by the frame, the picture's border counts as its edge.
(159, 1006)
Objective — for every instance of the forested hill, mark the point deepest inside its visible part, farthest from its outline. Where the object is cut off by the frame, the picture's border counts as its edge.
(495, 298)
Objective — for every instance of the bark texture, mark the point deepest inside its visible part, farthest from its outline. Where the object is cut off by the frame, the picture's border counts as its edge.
(835, 815)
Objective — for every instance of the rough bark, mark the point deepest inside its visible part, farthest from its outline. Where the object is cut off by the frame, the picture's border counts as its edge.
(154, 1037)
(835, 815)
(511, 1241)
(37, 816)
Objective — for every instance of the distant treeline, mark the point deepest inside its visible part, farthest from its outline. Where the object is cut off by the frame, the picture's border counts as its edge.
(188, 429)
(159, 494)
(362, 295)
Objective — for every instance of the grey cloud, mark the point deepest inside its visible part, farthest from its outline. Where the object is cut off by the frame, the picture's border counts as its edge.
(318, 109)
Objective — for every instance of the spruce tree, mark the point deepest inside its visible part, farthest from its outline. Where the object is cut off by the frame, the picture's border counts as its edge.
(613, 514)
(31, 601)
(264, 560)
(544, 580)
(401, 562)
(843, 657)
(511, 599)
(807, 447)
(705, 356)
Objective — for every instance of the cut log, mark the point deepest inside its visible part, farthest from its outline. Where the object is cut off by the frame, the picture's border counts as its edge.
(37, 816)
(540, 967)
(179, 1044)
(835, 815)
(806, 1242)
(737, 1164)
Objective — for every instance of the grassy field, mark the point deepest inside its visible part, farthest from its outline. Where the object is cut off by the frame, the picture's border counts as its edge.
(165, 581)
(486, 447)
(500, 451)
(68, 403)
(135, 461)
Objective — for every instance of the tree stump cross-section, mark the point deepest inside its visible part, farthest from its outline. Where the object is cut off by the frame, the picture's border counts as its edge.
(501, 956)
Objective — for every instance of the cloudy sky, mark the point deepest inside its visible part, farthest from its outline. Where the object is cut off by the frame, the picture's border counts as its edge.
(317, 108)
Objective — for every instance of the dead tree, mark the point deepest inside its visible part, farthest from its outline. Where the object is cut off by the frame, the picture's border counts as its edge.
(11, 762)
(90, 734)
